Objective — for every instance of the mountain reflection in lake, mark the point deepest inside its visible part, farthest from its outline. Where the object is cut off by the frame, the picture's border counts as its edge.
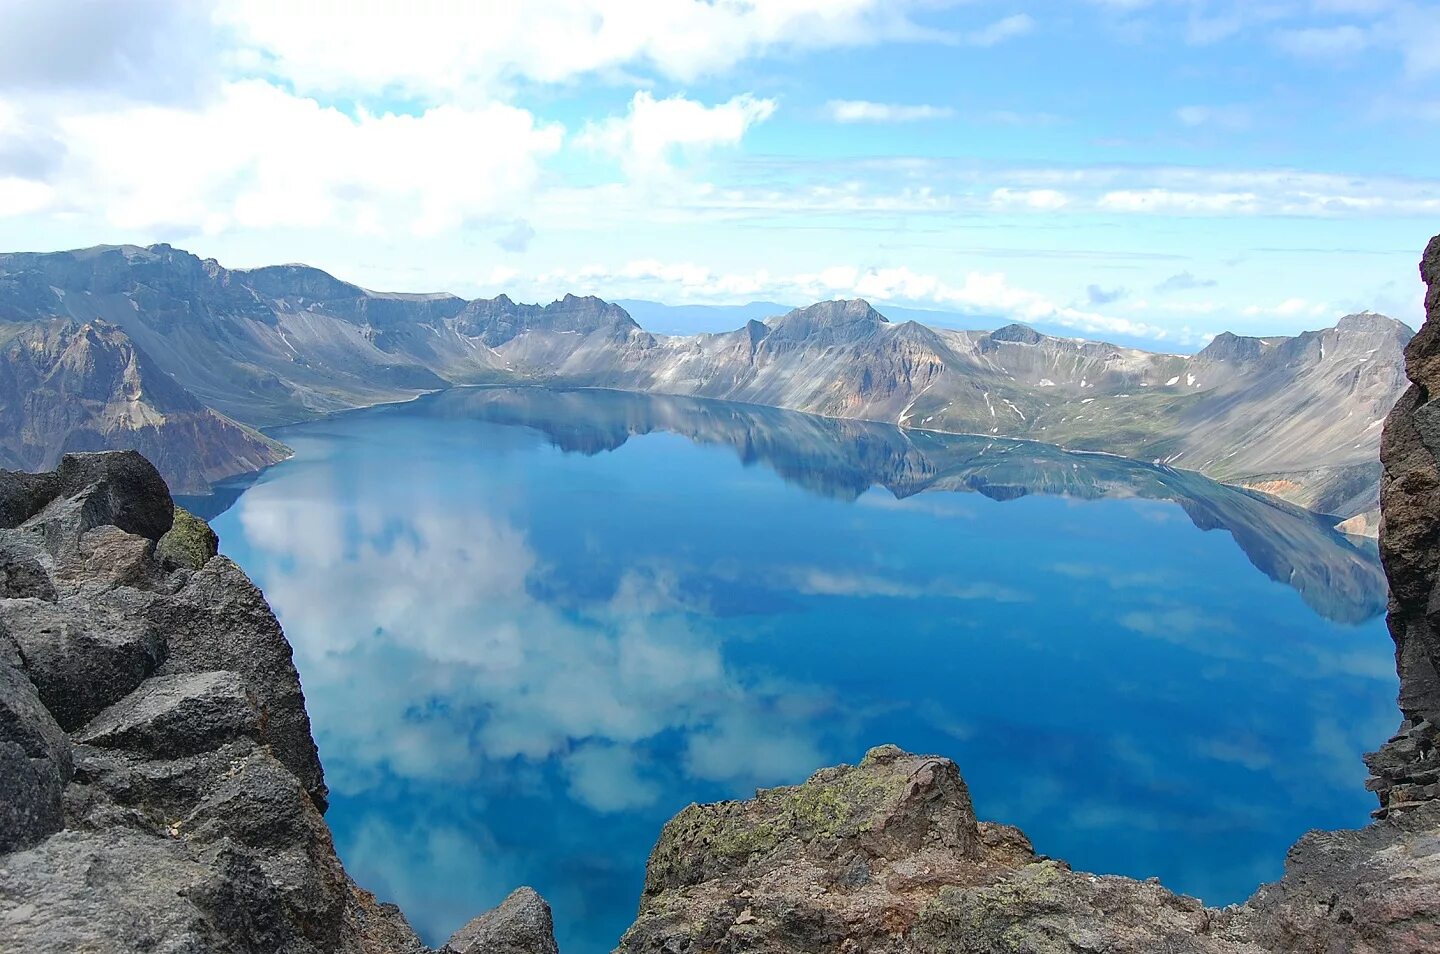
(534, 624)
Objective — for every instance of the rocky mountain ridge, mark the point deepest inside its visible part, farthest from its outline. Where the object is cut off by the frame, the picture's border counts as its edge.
(67, 386)
(160, 789)
(283, 343)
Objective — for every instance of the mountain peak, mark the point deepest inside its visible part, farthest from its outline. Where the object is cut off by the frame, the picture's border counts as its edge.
(1018, 333)
(843, 319)
(1371, 322)
(1228, 346)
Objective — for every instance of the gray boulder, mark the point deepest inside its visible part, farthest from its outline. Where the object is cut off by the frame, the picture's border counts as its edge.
(522, 924)
(83, 655)
(170, 716)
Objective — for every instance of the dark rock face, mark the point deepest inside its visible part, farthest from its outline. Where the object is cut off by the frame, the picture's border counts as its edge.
(1407, 769)
(159, 786)
(520, 925)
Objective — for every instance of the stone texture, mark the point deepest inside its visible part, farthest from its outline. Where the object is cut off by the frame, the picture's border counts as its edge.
(1407, 768)
(170, 716)
(82, 655)
(189, 542)
(30, 798)
(887, 856)
(220, 620)
(521, 924)
(27, 723)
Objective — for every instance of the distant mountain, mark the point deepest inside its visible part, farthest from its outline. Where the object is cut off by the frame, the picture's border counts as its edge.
(66, 386)
(1298, 417)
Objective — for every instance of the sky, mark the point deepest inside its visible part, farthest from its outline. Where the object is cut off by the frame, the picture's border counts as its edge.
(1157, 169)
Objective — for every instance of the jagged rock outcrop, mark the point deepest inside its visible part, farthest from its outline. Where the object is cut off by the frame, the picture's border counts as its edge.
(159, 786)
(67, 386)
(1406, 770)
(888, 857)
(521, 924)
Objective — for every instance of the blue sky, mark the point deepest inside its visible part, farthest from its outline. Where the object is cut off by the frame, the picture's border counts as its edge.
(1157, 169)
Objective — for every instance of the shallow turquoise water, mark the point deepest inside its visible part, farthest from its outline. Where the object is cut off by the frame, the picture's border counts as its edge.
(533, 625)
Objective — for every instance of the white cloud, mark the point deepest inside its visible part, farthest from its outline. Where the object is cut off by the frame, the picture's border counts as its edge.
(648, 138)
(436, 46)
(257, 156)
(1325, 42)
(864, 111)
(1172, 201)
(1044, 200)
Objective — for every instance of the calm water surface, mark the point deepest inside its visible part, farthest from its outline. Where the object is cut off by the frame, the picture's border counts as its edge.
(532, 625)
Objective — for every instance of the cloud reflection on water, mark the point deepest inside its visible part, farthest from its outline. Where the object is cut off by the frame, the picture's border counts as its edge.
(521, 659)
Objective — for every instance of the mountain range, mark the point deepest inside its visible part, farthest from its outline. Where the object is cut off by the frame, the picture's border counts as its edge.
(181, 357)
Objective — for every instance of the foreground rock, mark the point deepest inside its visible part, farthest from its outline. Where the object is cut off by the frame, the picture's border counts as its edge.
(159, 785)
(1407, 769)
(888, 856)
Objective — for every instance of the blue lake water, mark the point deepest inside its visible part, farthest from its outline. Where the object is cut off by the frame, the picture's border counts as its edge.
(532, 625)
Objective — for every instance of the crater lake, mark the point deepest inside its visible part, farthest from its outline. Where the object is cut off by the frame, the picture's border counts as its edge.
(532, 625)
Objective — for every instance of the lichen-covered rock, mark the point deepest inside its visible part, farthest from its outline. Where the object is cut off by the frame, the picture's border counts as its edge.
(521, 924)
(887, 856)
(190, 542)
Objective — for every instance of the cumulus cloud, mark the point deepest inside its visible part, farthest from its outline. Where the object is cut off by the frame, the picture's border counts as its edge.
(163, 51)
(650, 137)
(429, 47)
(1103, 296)
(517, 238)
(258, 156)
